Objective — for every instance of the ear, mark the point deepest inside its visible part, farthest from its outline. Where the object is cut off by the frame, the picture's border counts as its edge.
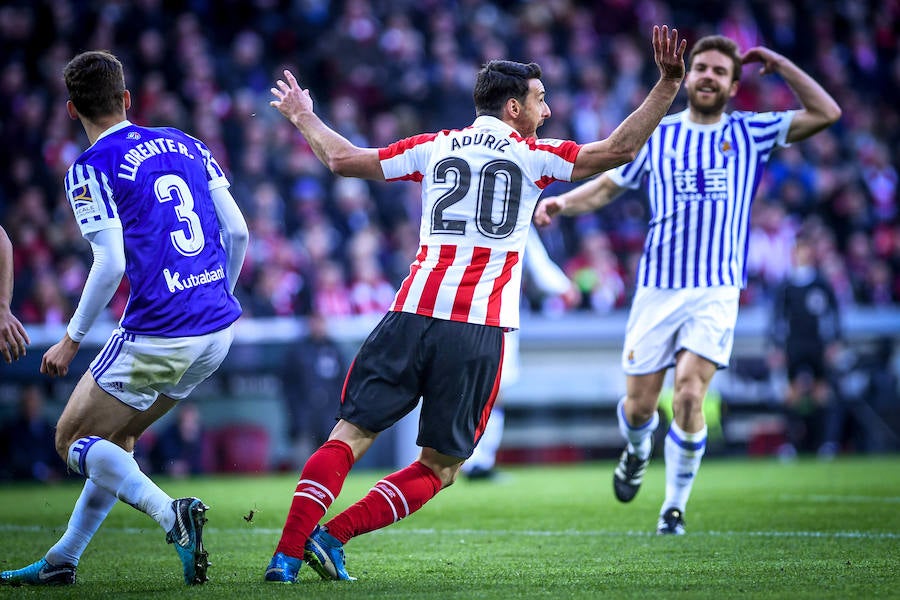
(126, 99)
(70, 108)
(732, 92)
(513, 108)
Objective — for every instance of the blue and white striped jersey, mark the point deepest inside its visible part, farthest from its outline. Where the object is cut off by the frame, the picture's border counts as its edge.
(701, 180)
(155, 184)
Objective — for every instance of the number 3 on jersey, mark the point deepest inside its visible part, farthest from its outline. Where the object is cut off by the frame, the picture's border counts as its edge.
(172, 187)
(504, 172)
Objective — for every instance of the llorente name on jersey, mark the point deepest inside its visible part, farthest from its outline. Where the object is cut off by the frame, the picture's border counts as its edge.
(178, 284)
(141, 152)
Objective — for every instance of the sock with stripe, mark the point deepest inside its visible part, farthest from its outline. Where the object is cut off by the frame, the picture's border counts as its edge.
(113, 469)
(90, 510)
(320, 483)
(396, 496)
(639, 437)
(683, 452)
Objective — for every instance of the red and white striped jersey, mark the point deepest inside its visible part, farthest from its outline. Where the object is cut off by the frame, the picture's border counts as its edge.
(479, 189)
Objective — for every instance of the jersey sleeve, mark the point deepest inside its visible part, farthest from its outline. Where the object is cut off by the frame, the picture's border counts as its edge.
(558, 156)
(406, 159)
(91, 198)
(214, 173)
(770, 129)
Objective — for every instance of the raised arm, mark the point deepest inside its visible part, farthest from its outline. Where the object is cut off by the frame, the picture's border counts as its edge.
(819, 109)
(585, 198)
(335, 151)
(627, 139)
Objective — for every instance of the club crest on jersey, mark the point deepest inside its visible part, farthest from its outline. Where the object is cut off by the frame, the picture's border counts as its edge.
(726, 148)
(133, 135)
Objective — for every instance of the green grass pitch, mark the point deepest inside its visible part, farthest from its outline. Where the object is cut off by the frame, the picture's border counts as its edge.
(756, 529)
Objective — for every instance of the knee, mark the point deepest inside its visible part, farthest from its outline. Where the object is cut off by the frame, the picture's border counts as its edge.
(442, 467)
(62, 441)
(688, 400)
(641, 408)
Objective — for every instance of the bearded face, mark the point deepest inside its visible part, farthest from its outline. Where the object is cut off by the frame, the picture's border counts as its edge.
(709, 82)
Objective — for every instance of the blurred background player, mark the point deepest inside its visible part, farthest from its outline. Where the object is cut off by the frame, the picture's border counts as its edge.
(701, 169)
(805, 341)
(155, 207)
(549, 279)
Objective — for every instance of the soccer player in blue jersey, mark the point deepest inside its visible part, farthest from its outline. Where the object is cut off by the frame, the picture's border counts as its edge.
(155, 206)
(700, 168)
(13, 337)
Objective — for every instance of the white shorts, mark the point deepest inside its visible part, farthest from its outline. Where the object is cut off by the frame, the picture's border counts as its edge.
(664, 321)
(138, 368)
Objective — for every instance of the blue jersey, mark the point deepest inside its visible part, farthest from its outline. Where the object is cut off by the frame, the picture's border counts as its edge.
(155, 184)
(701, 180)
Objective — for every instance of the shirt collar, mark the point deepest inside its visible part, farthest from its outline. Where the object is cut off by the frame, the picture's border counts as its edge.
(114, 128)
(494, 122)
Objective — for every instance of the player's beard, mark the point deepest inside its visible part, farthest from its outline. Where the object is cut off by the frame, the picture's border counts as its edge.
(709, 107)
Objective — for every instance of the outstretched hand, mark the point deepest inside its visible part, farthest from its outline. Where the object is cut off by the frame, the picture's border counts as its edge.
(668, 52)
(546, 209)
(768, 58)
(291, 100)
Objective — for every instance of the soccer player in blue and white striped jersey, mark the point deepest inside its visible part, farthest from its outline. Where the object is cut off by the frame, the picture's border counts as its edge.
(700, 170)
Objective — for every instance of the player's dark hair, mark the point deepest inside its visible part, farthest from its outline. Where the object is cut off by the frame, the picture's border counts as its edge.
(96, 83)
(722, 44)
(500, 80)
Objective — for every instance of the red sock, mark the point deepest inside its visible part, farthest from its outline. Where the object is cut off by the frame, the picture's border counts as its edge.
(396, 496)
(320, 482)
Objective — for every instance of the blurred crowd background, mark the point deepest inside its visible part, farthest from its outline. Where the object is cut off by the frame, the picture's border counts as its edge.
(382, 70)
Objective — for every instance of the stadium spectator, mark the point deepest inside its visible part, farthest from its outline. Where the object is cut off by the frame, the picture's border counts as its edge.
(805, 339)
(479, 188)
(13, 337)
(699, 170)
(160, 194)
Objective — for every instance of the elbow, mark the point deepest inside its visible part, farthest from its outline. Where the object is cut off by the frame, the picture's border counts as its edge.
(341, 164)
(833, 114)
(240, 237)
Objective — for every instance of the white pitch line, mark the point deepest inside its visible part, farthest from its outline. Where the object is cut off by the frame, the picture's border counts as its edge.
(863, 535)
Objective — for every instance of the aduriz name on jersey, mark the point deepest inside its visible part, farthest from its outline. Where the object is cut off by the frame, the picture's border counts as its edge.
(141, 152)
(480, 139)
(178, 284)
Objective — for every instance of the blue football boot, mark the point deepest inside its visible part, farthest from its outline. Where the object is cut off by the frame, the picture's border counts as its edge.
(325, 555)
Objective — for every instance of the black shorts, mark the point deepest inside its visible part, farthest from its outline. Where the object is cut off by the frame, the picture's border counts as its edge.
(805, 360)
(454, 367)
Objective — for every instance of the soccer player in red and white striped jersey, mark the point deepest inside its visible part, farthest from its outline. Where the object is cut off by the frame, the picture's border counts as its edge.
(442, 341)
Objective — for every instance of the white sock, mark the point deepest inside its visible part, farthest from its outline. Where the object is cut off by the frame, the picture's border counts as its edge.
(90, 510)
(684, 451)
(115, 470)
(485, 455)
(639, 437)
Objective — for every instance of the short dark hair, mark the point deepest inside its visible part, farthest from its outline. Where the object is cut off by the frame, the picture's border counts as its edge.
(500, 80)
(96, 84)
(722, 44)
